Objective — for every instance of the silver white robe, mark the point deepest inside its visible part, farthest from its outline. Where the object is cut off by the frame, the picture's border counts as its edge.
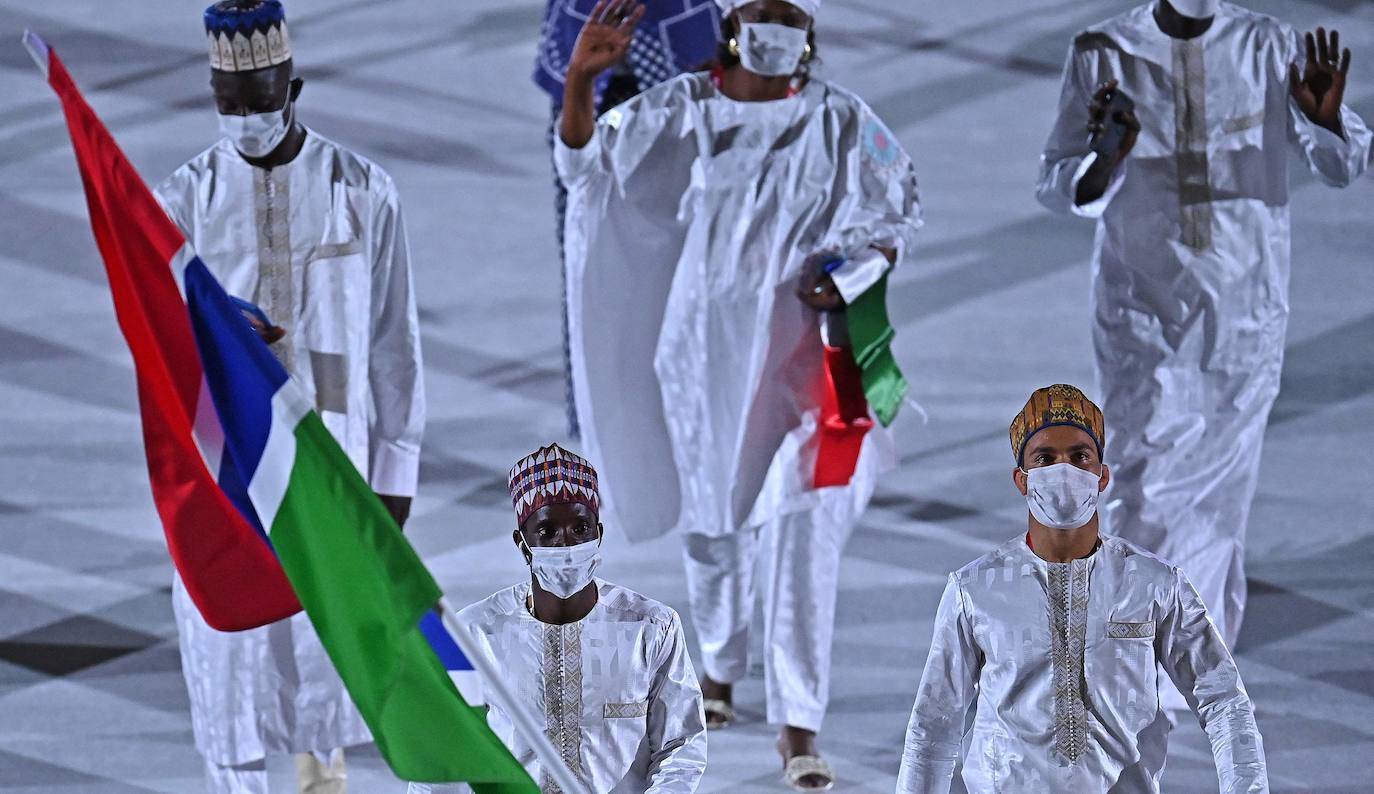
(616, 691)
(1061, 660)
(696, 366)
(320, 245)
(1190, 272)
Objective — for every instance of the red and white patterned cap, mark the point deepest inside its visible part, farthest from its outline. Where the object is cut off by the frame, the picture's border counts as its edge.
(552, 475)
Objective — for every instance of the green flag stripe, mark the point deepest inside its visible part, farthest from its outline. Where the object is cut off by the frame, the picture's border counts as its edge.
(884, 387)
(365, 590)
(871, 334)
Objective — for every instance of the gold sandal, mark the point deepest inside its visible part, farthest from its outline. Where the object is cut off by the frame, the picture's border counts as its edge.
(800, 766)
(722, 712)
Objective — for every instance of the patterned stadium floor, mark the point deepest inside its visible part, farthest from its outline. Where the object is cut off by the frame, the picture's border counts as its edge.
(91, 695)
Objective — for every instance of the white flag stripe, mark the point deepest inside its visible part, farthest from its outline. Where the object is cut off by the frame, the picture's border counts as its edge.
(469, 683)
(268, 486)
(180, 261)
(206, 430)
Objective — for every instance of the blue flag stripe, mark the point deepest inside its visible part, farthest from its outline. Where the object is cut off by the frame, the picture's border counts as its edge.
(450, 655)
(236, 489)
(242, 373)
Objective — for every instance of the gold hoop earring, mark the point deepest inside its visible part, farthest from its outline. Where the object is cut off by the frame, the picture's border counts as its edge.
(806, 53)
(733, 46)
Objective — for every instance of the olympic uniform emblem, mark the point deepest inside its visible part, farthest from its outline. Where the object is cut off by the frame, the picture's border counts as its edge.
(879, 146)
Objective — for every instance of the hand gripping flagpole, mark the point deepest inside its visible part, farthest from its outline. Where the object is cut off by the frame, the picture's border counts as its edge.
(494, 684)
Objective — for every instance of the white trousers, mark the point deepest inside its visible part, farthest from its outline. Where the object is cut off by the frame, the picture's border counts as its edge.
(799, 555)
(314, 775)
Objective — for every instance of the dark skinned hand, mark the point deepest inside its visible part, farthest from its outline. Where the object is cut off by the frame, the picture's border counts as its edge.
(1097, 119)
(606, 36)
(1094, 182)
(1320, 87)
(816, 288)
(397, 506)
(268, 334)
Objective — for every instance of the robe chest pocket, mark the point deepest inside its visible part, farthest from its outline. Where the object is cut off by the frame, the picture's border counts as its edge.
(625, 711)
(334, 250)
(1125, 630)
(1242, 123)
(334, 281)
(1239, 128)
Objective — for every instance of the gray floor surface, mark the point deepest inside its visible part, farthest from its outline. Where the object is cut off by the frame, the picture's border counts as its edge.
(91, 694)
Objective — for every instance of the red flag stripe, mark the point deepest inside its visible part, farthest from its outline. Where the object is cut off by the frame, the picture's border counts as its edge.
(231, 574)
(844, 419)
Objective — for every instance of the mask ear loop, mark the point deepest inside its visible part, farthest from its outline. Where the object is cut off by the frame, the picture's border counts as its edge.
(529, 562)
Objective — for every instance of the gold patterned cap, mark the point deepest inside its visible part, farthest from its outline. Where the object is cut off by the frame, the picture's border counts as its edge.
(1054, 406)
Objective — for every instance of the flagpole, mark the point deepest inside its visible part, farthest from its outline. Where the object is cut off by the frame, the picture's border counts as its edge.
(38, 50)
(493, 683)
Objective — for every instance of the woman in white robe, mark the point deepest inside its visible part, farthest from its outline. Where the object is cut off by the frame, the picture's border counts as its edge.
(694, 212)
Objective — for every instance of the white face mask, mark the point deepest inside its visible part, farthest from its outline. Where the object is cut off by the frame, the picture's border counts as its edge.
(258, 134)
(564, 570)
(1200, 9)
(771, 49)
(1062, 496)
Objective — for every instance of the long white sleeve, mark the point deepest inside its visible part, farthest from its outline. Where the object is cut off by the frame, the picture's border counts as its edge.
(948, 686)
(1196, 658)
(880, 207)
(1067, 157)
(395, 369)
(1337, 161)
(622, 136)
(676, 720)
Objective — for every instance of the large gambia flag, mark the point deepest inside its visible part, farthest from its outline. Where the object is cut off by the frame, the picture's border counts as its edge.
(229, 572)
(260, 452)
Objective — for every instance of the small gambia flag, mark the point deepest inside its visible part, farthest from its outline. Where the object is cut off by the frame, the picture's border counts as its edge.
(352, 570)
(861, 376)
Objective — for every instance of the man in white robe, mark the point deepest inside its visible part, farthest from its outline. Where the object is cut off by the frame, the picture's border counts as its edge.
(694, 212)
(605, 667)
(312, 234)
(1191, 259)
(1055, 638)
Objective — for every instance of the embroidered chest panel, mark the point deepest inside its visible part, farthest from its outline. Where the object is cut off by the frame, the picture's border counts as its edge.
(563, 697)
(1068, 607)
(275, 293)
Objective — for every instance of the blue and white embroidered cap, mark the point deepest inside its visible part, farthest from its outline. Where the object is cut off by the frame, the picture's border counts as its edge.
(244, 35)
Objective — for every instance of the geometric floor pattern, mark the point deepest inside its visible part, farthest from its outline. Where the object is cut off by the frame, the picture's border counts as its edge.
(91, 693)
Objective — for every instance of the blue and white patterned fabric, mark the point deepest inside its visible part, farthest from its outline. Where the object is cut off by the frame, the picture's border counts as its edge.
(674, 36)
(244, 35)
